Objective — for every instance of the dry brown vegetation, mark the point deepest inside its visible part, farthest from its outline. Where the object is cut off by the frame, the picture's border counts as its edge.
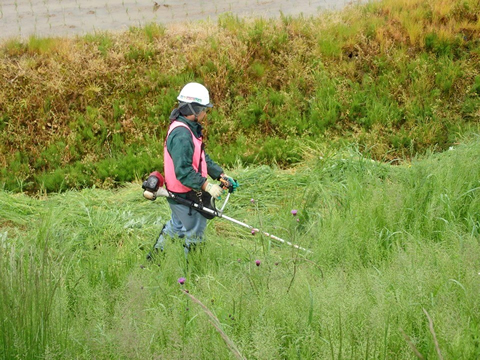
(395, 77)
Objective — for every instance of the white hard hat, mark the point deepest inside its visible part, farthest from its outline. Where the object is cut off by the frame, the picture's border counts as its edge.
(195, 93)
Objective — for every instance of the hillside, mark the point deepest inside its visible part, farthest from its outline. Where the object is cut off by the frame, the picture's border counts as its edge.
(397, 78)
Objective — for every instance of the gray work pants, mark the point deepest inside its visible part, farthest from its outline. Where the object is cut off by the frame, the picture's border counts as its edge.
(185, 223)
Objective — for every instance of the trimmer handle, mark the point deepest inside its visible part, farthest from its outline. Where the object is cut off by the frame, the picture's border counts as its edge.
(225, 184)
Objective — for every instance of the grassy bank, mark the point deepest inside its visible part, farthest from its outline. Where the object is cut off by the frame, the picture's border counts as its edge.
(393, 270)
(398, 78)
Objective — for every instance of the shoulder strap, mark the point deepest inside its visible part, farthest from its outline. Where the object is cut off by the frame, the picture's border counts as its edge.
(200, 161)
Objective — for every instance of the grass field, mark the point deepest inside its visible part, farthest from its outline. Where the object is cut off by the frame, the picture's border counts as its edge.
(355, 136)
(393, 271)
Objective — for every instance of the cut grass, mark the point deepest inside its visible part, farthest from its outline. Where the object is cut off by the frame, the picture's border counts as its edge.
(393, 270)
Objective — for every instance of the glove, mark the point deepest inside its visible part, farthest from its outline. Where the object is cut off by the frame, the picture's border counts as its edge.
(215, 190)
(232, 181)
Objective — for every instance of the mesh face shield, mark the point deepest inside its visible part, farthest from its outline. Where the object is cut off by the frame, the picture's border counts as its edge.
(187, 109)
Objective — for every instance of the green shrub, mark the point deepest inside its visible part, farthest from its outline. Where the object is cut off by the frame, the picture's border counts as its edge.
(441, 47)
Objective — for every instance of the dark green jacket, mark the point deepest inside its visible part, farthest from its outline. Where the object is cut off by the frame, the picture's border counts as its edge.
(180, 147)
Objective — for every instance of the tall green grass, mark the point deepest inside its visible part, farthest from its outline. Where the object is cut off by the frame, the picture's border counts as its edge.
(393, 270)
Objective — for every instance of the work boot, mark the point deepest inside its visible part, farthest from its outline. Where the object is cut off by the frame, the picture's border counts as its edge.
(157, 246)
(193, 247)
(152, 255)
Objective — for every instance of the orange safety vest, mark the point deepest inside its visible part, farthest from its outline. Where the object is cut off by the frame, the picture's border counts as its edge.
(171, 181)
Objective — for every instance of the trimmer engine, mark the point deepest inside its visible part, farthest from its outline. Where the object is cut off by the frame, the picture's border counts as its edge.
(154, 181)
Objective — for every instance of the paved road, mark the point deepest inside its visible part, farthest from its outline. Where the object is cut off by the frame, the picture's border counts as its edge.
(23, 18)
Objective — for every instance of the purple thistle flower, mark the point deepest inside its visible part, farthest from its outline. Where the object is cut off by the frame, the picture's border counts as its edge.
(252, 200)
(253, 232)
(257, 262)
(181, 280)
(294, 212)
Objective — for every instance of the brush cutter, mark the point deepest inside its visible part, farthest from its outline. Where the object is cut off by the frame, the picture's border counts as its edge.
(153, 188)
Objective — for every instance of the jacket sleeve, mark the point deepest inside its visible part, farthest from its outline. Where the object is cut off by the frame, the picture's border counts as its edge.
(213, 169)
(180, 147)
